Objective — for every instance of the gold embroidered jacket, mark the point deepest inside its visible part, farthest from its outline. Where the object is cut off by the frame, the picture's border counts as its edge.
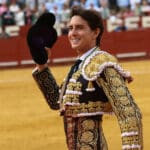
(97, 88)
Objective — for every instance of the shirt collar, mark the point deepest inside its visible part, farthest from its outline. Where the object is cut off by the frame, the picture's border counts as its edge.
(86, 54)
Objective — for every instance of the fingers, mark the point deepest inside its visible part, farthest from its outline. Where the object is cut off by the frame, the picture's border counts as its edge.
(47, 49)
(41, 67)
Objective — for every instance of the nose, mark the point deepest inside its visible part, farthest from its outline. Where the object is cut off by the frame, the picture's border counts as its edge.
(73, 31)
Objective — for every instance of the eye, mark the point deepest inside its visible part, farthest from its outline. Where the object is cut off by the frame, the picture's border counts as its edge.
(70, 28)
(79, 27)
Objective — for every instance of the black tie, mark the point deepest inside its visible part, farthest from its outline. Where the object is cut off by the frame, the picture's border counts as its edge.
(74, 68)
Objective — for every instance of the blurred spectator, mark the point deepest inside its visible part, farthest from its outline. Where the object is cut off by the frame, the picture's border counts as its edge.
(61, 9)
(95, 3)
(29, 16)
(8, 18)
(92, 6)
(59, 3)
(30, 4)
(3, 1)
(13, 6)
(42, 9)
(20, 17)
(102, 1)
(114, 21)
(21, 3)
(113, 15)
(145, 8)
(82, 3)
(49, 5)
(105, 11)
(133, 3)
(3, 8)
(120, 27)
(137, 10)
(65, 13)
(18, 14)
(123, 4)
(64, 28)
(127, 12)
(113, 4)
(65, 16)
(74, 3)
(57, 14)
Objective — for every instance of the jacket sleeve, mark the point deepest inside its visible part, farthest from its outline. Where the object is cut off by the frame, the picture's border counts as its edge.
(48, 86)
(127, 112)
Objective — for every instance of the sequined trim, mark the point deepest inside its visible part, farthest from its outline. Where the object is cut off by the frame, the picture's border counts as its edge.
(90, 89)
(125, 147)
(129, 133)
(73, 92)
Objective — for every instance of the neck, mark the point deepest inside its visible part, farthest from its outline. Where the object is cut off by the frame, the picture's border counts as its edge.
(80, 53)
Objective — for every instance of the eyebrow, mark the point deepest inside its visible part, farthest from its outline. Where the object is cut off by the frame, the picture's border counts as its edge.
(77, 25)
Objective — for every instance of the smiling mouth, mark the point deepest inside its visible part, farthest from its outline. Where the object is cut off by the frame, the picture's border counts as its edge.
(75, 41)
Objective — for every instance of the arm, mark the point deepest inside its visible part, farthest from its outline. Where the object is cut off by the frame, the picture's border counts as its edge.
(40, 39)
(127, 112)
(47, 84)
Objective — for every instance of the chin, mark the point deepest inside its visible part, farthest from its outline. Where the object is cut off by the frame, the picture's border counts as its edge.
(75, 47)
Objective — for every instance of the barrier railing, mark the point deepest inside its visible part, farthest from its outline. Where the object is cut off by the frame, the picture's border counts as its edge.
(125, 45)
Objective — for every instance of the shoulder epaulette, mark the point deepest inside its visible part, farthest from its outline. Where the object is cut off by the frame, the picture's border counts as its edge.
(95, 64)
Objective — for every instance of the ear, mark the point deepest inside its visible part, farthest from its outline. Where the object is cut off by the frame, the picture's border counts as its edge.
(96, 32)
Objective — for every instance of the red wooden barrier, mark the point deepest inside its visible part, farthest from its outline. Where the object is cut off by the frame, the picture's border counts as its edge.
(127, 44)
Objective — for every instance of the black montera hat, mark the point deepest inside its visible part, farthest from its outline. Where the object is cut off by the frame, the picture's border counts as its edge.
(42, 34)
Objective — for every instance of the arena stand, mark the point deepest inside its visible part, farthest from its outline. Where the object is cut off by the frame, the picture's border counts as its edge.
(126, 45)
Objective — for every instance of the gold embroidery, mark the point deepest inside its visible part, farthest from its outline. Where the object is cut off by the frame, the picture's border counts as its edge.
(93, 66)
(73, 86)
(88, 125)
(91, 107)
(76, 75)
(129, 139)
(120, 91)
(86, 147)
(116, 82)
(87, 137)
(127, 112)
(48, 87)
(90, 86)
(124, 100)
(112, 73)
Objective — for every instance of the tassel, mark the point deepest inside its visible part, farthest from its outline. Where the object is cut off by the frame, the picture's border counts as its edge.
(90, 87)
